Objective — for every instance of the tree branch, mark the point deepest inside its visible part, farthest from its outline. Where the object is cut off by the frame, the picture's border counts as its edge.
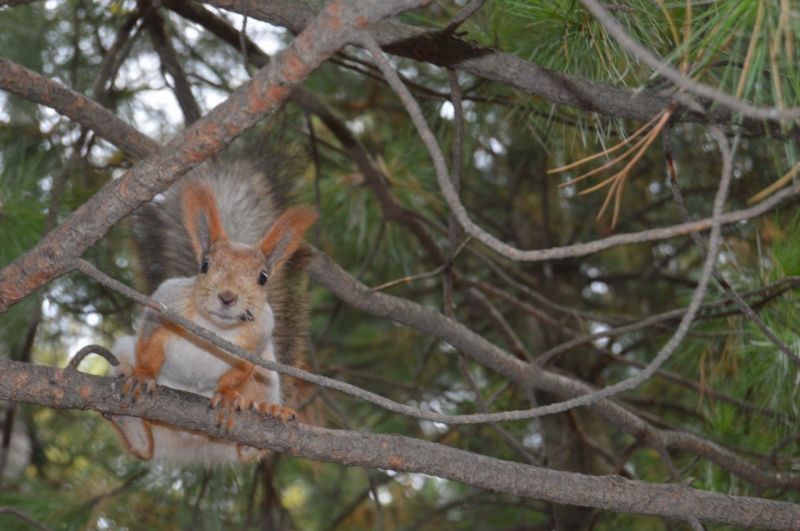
(443, 49)
(29, 85)
(350, 290)
(156, 26)
(70, 389)
(25, 517)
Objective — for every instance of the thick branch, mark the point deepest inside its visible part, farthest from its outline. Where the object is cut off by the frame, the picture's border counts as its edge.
(31, 86)
(71, 389)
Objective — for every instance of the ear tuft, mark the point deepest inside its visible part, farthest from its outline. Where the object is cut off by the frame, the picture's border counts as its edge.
(201, 216)
(286, 234)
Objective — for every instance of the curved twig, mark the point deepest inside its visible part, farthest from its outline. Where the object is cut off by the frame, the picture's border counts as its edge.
(25, 517)
(451, 195)
(92, 349)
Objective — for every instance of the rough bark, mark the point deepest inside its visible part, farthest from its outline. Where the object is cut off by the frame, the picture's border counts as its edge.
(71, 389)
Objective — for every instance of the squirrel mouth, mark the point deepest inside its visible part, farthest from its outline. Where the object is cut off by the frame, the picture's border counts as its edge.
(222, 316)
(245, 316)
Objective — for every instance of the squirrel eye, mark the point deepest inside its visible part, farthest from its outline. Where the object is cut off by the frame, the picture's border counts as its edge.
(262, 278)
(204, 266)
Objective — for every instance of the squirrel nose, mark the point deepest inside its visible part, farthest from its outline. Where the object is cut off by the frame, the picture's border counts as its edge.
(227, 298)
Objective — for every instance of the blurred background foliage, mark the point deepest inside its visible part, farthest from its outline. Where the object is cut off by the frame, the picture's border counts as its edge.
(726, 382)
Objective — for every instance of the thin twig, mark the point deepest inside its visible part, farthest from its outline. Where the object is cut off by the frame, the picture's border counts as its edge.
(731, 293)
(170, 64)
(654, 320)
(312, 139)
(196, 513)
(676, 478)
(453, 230)
(509, 439)
(92, 349)
(697, 297)
(25, 517)
(772, 458)
(467, 11)
(450, 194)
(207, 335)
(427, 274)
(373, 488)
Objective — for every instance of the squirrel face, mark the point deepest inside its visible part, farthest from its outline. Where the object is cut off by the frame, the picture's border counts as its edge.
(231, 286)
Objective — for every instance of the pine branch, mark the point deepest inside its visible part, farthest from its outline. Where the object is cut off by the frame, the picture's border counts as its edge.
(60, 388)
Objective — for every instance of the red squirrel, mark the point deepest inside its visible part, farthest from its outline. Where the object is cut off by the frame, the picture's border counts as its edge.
(230, 266)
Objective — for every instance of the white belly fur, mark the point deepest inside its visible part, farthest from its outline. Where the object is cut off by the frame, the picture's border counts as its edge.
(189, 367)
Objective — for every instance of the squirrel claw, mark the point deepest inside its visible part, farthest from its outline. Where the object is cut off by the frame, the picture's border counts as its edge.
(135, 381)
(281, 413)
(227, 404)
(241, 403)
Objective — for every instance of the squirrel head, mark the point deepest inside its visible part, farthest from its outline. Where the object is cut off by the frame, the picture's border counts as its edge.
(231, 286)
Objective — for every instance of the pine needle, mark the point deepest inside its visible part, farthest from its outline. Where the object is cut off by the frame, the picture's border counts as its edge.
(605, 151)
(777, 185)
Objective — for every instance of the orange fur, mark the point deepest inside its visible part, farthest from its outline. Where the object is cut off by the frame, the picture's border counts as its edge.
(230, 384)
(228, 397)
(150, 358)
(294, 223)
(150, 353)
(199, 200)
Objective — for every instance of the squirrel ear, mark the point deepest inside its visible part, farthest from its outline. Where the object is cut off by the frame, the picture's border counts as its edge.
(285, 235)
(201, 217)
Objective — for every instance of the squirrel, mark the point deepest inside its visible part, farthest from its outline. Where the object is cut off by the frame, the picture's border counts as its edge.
(222, 254)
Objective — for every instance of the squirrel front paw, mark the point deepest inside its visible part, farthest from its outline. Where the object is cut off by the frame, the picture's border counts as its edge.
(277, 411)
(135, 381)
(227, 403)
